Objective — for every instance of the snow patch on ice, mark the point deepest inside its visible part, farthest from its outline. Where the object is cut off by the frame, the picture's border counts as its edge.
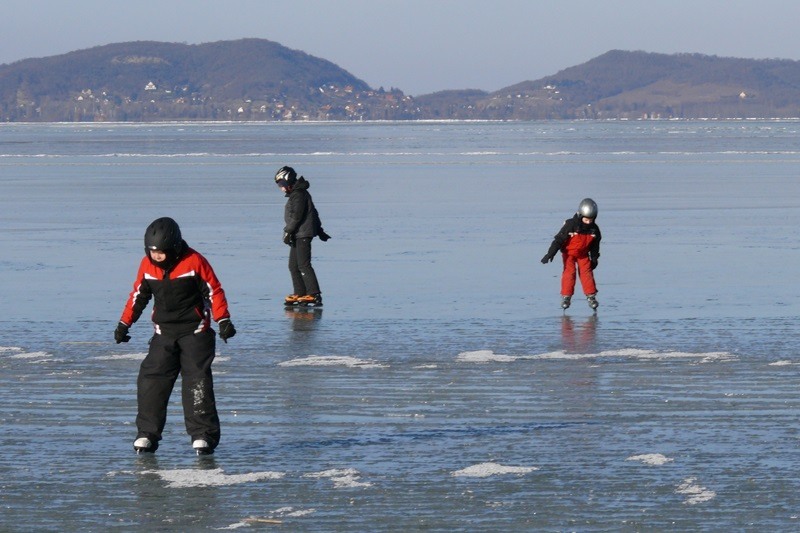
(488, 356)
(274, 517)
(492, 469)
(333, 360)
(12, 349)
(184, 478)
(121, 357)
(347, 478)
(31, 355)
(652, 459)
(696, 493)
(782, 363)
(485, 356)
(291, 511)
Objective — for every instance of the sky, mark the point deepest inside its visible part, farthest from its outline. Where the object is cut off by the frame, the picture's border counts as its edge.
(419, 46)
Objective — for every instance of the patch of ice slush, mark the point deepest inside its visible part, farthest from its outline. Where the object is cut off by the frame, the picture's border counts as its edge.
(488, 356)
(31, 355)
(484, 356)
(5, 349)
(184, 478)
(492, 469)
(653, 459)
(696, 493)
(121, 357)
(332, 360)
(342, 478)
(291, 511)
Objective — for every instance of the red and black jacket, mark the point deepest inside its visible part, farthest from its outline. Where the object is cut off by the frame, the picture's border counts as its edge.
(186, 295)
(577, 239)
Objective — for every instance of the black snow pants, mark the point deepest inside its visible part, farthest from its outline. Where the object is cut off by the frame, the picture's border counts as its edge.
(190, 356)
(304, 279)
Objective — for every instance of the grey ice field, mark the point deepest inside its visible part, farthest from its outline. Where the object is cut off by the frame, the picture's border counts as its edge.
(441, 388)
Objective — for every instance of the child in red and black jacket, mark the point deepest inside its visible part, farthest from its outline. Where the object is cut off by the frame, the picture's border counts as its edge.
(187, 295)
(579, 242)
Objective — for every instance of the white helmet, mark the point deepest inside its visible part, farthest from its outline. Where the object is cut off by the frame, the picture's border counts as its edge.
(588, 208)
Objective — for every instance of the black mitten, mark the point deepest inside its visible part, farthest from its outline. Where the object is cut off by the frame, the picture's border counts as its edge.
(121, 333)
(226, 329)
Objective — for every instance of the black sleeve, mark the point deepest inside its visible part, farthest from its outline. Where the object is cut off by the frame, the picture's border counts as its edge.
(594, 249)
(559, 239)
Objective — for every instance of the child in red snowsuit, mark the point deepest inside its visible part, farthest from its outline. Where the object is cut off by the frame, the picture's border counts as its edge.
(579, 242)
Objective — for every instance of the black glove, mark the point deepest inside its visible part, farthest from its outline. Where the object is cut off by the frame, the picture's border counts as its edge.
(322, 235)
(547, 259)
(121, 333)
(288, 238)
(226, 329)
(592, 263)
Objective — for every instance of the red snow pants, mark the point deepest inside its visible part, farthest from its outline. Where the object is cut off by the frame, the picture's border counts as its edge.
(584, 268)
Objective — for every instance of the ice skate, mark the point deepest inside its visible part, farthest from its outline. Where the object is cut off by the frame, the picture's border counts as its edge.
(202, 447)
(144, 445)
(310, 300)
(592, 301)
(565, 301)
(291, 300)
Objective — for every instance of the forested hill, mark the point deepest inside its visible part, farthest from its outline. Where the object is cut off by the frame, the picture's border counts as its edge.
(257, 79)
(622, 84)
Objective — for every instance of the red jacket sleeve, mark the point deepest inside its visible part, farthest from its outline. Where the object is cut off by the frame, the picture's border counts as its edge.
(139, 297)
(215, 294)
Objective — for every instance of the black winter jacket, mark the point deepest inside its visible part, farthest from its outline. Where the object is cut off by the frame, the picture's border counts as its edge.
(300, 215)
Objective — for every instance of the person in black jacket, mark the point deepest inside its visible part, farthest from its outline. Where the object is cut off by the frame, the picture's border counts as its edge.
(579, 243)
(302, 225)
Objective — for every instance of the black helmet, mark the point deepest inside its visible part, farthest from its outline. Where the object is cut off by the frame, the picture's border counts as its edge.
(163, 234)
(286, 174)
(588, 208)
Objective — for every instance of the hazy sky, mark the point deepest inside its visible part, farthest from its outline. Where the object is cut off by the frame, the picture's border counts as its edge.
(419, 46)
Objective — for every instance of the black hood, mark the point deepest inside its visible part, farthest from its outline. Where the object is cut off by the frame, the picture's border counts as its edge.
(300, 185)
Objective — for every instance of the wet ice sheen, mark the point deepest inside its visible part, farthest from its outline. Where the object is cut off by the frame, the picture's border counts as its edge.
(441, 388)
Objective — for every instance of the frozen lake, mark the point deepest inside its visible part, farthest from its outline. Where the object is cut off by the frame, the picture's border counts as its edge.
(442, 387)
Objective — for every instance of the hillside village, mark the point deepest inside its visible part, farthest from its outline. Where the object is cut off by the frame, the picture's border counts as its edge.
(157, 103)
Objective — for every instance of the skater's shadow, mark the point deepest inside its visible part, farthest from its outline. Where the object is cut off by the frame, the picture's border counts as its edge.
(579, 338)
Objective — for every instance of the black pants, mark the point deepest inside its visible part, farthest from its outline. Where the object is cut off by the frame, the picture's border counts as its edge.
(304, 279)
(190, 356)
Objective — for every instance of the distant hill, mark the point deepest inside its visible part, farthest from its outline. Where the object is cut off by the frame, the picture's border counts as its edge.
(248, 78)
(621, 84)
(257, 79)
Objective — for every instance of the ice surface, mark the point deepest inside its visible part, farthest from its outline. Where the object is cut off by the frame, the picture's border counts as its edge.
(442, 351)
